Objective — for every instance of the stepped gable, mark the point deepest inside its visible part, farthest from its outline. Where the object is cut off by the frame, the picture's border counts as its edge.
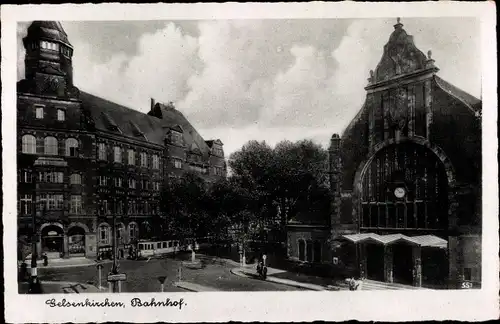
(401, 56)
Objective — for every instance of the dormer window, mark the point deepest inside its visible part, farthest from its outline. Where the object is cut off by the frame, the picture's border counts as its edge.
(61, 115)
(39, 112)
(49, 45)
(217, 150)
(110, 123)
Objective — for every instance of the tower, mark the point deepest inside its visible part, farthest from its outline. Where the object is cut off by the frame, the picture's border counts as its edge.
(48, 60)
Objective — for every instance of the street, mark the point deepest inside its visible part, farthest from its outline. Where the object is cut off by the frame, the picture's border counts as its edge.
(142, 276)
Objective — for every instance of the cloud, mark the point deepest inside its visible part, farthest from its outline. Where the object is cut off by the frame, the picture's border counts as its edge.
(269, 79)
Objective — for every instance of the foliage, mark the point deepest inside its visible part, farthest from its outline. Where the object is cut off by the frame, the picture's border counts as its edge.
(267, 187)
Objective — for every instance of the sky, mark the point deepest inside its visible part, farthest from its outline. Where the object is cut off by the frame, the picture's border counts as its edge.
(241, 80)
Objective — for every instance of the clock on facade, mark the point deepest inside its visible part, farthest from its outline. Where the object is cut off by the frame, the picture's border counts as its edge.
(399, 192)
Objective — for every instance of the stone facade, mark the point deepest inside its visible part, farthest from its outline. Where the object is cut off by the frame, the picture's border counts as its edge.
(409, 164)
(85, 163)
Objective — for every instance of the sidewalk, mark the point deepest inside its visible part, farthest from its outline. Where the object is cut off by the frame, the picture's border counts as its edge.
(61, 287)
(250, 272)
(66, 263)
(193, 287)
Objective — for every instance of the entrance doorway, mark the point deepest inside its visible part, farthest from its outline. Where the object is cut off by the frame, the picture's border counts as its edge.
(374, 261)
(403, 263)
(76, 241)
(52, 239)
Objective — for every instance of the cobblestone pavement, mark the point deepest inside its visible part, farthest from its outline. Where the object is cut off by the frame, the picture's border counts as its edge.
(142, 276)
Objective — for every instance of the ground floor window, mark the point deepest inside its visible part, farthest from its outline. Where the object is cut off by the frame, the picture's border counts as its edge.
(104, 234)
(317, 251)
(302, 250)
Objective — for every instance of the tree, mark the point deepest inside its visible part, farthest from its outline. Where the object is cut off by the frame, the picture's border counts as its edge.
(284, 180)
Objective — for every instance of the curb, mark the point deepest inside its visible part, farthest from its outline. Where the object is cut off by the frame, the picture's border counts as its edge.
(192, 287)
(67, 265)
(238, 272)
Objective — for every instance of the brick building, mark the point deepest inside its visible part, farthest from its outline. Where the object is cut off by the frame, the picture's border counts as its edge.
(84, 161)
(406, 178)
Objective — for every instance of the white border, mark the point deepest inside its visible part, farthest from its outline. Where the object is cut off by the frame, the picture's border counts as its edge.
(249, 306)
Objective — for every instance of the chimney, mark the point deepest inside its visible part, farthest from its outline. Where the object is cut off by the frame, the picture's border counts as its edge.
(152, 103)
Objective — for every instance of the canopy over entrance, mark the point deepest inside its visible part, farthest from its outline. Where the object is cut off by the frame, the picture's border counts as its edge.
(422, 240)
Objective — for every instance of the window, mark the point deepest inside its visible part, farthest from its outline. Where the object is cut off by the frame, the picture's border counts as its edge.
(104, 209)
(28, 144)
(71, 147)
(26, 176)
(50, 145)
(76, 204)
(218, 171)
(61, 115)
(132, 208)
(39, 112)
(102, 154)
(118, 154)
(177, 163)
(103, 180)
(145, 184)
(144, 160)
(131, 157)
(132, 231)
(75, 179)
(26, 204)
(176, 138)
(119, 207)
(156, 162)
(131, 183)
(156, 186)
(467, 274)
(104, 234)
(118, 182)
(51, 201)
(51, 177)
(302, 250)
(309, 251)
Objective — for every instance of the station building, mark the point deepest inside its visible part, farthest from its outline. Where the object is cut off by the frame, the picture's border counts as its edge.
(86, 163)
(406, 179)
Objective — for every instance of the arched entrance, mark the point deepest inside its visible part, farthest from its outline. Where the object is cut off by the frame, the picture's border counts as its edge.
(52, 239)
(76, 241)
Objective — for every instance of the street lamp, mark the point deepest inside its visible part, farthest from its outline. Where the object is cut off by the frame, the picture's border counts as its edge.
(34, 283)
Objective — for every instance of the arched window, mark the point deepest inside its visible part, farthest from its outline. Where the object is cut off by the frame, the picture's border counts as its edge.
(104, 234)
(132, 232)
(75, 179)
(29, 144)
(404, 186)
(309, 251)
(50, 145)
(71, 147)
(302, 250)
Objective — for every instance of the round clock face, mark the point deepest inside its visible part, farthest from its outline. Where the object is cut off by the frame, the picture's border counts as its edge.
(399, 192)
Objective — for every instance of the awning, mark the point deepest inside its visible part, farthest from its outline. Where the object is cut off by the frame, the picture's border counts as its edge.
(422, 241)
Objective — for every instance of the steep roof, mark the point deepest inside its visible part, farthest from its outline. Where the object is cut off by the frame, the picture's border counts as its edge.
(138, 125)
(472, 102)
(48, 29)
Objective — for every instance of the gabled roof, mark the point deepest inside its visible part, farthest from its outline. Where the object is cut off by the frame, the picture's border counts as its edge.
(210, 143)
(469, 100)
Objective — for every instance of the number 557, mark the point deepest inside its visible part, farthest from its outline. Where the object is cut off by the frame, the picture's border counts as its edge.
(466, 285)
